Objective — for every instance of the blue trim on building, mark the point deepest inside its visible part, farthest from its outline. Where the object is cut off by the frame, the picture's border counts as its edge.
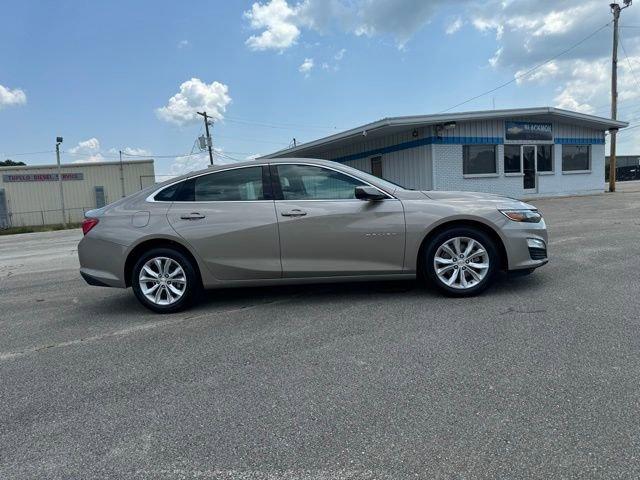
(422, 142)
(457, 141)
(579, 141)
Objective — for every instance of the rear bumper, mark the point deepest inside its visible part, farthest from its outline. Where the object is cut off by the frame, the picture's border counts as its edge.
(91, 280)
(102, 262)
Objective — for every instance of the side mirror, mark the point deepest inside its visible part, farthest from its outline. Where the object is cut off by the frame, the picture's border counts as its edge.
(369, 193)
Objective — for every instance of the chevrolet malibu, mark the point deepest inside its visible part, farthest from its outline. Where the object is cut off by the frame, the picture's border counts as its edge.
(302, 221)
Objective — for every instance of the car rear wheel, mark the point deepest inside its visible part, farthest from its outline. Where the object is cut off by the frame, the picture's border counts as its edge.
(461, 261)
(164, 280)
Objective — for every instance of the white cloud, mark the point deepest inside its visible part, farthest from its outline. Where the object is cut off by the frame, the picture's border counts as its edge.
(138, 152)
(87, 151)
(91, 145)
(539, 75)
(10, 97)
(189, 163)
(282, 21)
(306, 66)
(90, 150)
(198, 161)
(454, 26)
(183, 43)
(277, 20)
(340, 55)
(195, 95)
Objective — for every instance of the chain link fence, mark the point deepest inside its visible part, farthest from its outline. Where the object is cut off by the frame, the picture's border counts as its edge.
(42, 217)
(52, 217)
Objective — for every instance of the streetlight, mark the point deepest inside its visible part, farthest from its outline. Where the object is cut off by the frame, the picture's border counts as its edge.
(58, 142)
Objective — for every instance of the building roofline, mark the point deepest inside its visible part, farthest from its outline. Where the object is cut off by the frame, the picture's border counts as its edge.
(412, 120)
(73, 165)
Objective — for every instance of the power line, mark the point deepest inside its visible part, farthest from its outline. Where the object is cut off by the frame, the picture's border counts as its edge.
(28, 153)
(620, 132)
(278, 125)
(633, 72)
(531, 70)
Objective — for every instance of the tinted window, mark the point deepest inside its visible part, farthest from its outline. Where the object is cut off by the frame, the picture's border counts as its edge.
(575, 157)
(167, 194)
(545, 158)
(512, 159)
(230, 185)
(478, 159)
(307, 182)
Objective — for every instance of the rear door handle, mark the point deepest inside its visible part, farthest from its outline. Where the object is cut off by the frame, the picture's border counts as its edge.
(296, 212)
(192, 216)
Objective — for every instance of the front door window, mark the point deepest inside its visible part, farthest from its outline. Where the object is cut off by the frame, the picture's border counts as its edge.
(529, 166)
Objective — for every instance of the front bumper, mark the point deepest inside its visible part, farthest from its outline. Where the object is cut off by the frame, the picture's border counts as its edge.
(520, 254)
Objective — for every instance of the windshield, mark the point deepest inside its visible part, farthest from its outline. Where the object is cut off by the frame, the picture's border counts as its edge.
(375, 180)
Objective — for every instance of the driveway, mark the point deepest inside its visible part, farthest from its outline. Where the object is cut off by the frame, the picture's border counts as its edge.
(537, 378)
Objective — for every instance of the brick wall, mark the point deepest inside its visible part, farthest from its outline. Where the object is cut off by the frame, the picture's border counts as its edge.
(447, 175)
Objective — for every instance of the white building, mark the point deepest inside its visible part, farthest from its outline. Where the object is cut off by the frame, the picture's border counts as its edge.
(520, 152)
(30, 194)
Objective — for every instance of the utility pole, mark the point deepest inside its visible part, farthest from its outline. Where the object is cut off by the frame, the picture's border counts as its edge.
(615, 10)
(121, 174)
(209, 142)
(64, 215)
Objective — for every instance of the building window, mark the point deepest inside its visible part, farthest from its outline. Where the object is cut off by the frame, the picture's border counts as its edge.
(101, 199)
(512, 162)
(478, 159)
(545, 158)
(576, 158)
(376, 166)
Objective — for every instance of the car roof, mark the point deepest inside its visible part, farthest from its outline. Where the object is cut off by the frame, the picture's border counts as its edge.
(254, 163)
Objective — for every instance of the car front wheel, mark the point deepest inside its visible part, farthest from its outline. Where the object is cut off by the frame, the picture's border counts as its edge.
(461, 261)
(164, 280)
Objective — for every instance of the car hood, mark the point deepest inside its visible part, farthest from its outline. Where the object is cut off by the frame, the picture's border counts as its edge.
(476, 198)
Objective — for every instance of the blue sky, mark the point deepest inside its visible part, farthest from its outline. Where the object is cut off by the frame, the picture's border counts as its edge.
(100, 73)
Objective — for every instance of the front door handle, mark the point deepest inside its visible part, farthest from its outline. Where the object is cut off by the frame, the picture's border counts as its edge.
(296, 212)
(192, 216)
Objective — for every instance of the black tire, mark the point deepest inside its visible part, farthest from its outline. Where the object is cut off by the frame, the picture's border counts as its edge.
(487, 242)
(192, 287)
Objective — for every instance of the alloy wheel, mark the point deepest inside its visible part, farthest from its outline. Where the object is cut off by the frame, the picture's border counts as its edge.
(162, 281)
(461, 263)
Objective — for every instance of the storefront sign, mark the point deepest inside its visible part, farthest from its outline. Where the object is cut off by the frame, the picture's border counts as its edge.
(42, 177)
(528, 131)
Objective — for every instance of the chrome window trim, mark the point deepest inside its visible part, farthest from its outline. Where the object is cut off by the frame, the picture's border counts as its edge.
(151, 198)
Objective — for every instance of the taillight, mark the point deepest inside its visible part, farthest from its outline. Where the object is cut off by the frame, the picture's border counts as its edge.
(88, 224)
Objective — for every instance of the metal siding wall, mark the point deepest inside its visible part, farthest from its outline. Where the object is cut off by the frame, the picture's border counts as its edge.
(78, 194)
(566, 130)
(363, 164)
(476, 129)
(411, 167)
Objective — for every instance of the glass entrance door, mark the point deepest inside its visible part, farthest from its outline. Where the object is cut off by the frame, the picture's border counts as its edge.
(529, 167)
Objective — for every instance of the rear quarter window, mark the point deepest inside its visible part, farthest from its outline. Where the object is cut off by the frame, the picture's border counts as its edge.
(167, 194)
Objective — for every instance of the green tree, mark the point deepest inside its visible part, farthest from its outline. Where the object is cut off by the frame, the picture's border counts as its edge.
(10, 163)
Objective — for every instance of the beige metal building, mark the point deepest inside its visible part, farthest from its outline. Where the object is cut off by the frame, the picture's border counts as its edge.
(30, 194)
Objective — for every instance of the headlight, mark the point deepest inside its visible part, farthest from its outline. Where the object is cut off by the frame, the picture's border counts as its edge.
(527, 216)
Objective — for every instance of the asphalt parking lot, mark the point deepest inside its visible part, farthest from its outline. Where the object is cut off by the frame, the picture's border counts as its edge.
(537, 378)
